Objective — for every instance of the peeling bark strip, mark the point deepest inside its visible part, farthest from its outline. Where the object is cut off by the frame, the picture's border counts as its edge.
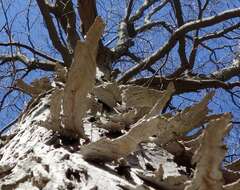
(81, 79)
(109, 93)
(108, 150)
(55, 110)
(159, 106)
(137, 96)
(188, 119)
(35, 88)
(210, 155)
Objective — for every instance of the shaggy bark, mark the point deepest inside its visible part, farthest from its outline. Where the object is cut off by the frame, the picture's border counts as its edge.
(135, 145)
(79, 82)
(34, 157)
(151, 124)
(208, 175)
(35, 88)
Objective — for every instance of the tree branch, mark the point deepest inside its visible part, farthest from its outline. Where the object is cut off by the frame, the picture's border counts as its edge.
(87, 11)
(190, 26)
(141, 10)
(155, 10)
(65, 13)
(31, 64)
(45, 11)
(33, 50)
(228, 72)
(185, 85)
(150, 25)
(182, 42)
(129, 9)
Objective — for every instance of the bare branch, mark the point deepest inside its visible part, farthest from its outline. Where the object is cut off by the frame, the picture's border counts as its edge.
(155, 10)
(44, 8)
(182, 42)
(65, 13)
(185, 85)
(30, 63)
(233, 186)
(150, 25)
(35, 88)
(228, 72)
(139, 13)
(218, 33)
(190, 26)
(33, 50)
(129, 9)
(87, 11)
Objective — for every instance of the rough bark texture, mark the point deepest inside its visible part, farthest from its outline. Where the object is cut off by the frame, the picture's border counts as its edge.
(69, 102)
(209, 156)
(81, 79)
(34, 157)
(165, 128)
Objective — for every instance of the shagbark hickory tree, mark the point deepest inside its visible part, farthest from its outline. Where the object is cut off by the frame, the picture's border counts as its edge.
(191, 43)
(181, 49)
